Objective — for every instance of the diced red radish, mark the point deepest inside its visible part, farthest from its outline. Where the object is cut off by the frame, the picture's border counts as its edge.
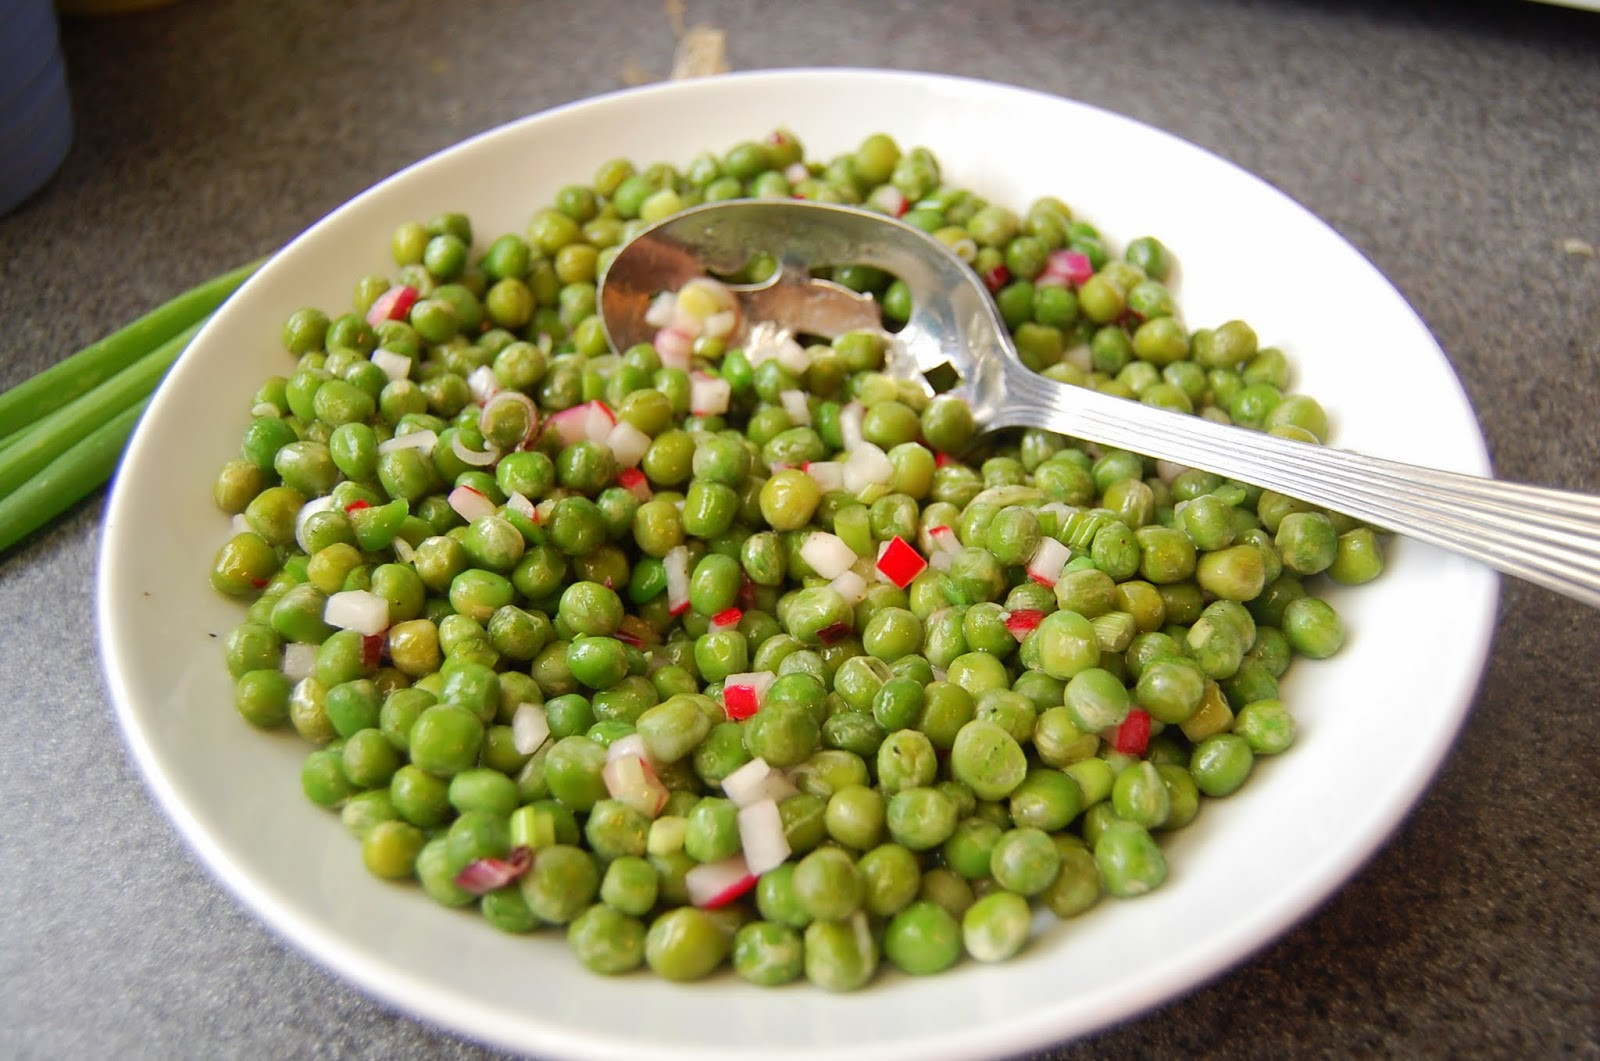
(714, 884)
(849, 585)
(393, 305)
(470, 504)
(827, 554)
(945, 538)
(1023, 621)
(742, 693)
(794, 403)
(890, 200)
(663, 308)
(941, 560)
(634, 481)
(1132, 735)
(755, 781)
(522, 505)
(835, 633)
(708, 396)
(482, 383)
(357, 609)
(372, 646)
(395, 366)
(530, 727)
(629, 779)
(598, 420)
(828, 475)
(996, 277)
(761, 836)
(899, 562)
(299, 660)
(568, 424)
(477, 458)
(307, 510)
(483, 875)
(726, 619)
(1047, 561)
(675, 347)
(423, 440)
(627, 443)
(676, 563)
(630, 744)
(866, 466)
(1065, 267)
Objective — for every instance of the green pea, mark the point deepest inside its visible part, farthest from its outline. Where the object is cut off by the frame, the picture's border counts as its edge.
(996, 926)
(1130, 862)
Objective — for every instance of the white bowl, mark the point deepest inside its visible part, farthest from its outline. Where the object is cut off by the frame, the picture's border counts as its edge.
(1375, 721)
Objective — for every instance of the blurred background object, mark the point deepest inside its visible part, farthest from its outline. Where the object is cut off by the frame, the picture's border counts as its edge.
(35, 113)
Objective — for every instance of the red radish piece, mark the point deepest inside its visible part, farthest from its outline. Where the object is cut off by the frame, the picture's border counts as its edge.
(996, 277)
(630, 745)
(395, 366)
(761, 836)
(598, 420)
(530, 727)
(828, 475)
(630, 779)
(522, 505)
(899, 562)
(827, 554)
(1066, 267)
(708, 396)
(423, 440)
(1133, 734)
(633, 480)
(372, 649)
(356, 505)
(675, 347)
(676, 563)
(393, 305)
(477, 458)
(890, 200)
(483, 875)
(833, 634)
(945, 538)
(299, 660)
(1023, 621)
(849, 585)
(470, 504)
(726, 619)
(1047, 561)
(357, 609)
(742, 693)
(627, 443)
(755, 781)
(714, 884)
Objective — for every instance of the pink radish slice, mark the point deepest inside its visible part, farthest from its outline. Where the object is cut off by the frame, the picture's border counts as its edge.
(899, 562)
(395, 366)
(676, 563)
(714, 884)
(627, 443)
(475, 457)
(393, 305)
(742, 693)
(629, 779)
(470, 504)
(1023, 622)
(1047, 561)
(634, 481)
(483, 875)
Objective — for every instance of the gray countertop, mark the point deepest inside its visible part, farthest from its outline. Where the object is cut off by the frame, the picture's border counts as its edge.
(1455, 144)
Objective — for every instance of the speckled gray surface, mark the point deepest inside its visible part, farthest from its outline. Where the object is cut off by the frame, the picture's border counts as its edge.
(1456, 144)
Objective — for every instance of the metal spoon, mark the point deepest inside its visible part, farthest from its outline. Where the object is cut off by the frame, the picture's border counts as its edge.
(1548, 537)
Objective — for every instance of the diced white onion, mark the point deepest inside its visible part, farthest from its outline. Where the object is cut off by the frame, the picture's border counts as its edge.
(849, 585)
(239, 524)
(867, 466)
(828, 475)
(827, 554)
(850, 415)
(482, 383)
(794, 403)
(755, 781)
(403, 551)
(630, 744)
(530, 727)
(720, 325)
(357, 609)
(710, 884)
(1167, 471)
(761, 836)
(1047, 561)
(299, 660)
(794, 357)
(395, 366)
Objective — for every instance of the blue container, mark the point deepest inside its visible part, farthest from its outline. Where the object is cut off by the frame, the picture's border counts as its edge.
(35, 113)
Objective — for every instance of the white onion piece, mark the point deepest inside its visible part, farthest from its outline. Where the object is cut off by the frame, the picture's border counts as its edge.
(794, 357)
(827, 554)
(395, 366)
(1167, 471)
(850, 415)
(307, 510)
(941, 561)
(627, 443)
(357, 609)
(530, 728)
(755, 781)
(299, 660)
(828, 475)
(849, 585)
(469, 504)
(662, 309)
(764, 342)
(466, 455)
(709, 396)
(423, 440)
(761, 836)
(676, 563)
(794, 403)
(867, 466)
(482, 383)
(712, 884)
(239, 524)
(720, 325)
(403, 551)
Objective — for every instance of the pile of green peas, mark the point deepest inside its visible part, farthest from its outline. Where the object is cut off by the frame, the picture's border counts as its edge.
(951, 770)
